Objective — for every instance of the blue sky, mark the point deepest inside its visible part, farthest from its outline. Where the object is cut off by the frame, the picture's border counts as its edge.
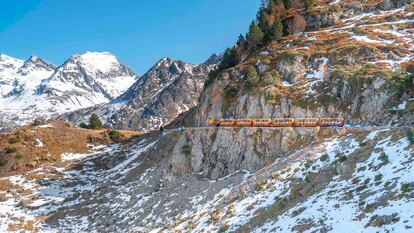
(138, 32)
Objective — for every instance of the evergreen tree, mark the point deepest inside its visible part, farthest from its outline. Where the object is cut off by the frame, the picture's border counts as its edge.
(271, 6)
(241, 42)
(230, 59)
(95, 122)
(276, 31)
(255, 36)
(263, 21)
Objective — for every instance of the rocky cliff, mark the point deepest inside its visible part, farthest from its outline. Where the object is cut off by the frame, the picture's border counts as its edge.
(358, 68)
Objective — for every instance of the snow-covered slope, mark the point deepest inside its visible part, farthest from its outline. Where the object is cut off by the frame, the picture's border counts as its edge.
(39, 89)
(158, 97)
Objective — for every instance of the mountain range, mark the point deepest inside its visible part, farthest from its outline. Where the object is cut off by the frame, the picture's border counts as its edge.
(35, 88)
(168, 89)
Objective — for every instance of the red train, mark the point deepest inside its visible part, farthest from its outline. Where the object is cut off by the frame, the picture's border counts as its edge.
(279, 122)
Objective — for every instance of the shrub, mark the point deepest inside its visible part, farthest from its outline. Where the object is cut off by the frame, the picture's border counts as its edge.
(19, 156)
(361, 169)
(14, 140)
(355, 180)
(84, 126)
(384, 158)
(161, 129)
(260, 185)
(3, 162)
(10, 150)
(115, 135)
(341, 158)
(360, 188)
(186, 150)
(378, 177)
(335, 8)
(95, 122)
(324, 157)
(251, 77)
(405, 188)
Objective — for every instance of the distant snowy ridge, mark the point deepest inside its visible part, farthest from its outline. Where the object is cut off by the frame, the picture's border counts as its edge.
(36, 88)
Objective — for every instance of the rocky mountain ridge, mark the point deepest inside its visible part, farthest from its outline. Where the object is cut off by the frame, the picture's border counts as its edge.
(168, 89)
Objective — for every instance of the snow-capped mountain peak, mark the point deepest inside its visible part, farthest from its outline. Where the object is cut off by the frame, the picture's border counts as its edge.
(35, 64)
(97, 61)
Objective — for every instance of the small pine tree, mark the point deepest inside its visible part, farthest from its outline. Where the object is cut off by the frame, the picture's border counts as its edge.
(230, 59)
(263, 22)
(255, 36)
(276, 31)
(95, 122)
(241, 42)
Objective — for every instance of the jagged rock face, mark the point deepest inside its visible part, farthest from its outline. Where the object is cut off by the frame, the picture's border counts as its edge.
(36, 88)
(158, 97)
(217, 153)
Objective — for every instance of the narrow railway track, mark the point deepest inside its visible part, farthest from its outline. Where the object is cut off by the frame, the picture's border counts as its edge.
(367, 128)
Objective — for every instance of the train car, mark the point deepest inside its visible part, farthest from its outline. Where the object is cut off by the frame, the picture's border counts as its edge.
(244, 122)
(306, 122)
(227, 122)
(283, 122)
(279, 122)
(212, 122)
(331, 122)
(262, 122)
